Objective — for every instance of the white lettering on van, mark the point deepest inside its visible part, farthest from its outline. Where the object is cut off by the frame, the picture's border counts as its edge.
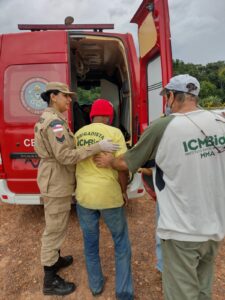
(28, 142)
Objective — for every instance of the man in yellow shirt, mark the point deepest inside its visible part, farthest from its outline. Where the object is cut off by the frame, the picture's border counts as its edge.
(102, 193)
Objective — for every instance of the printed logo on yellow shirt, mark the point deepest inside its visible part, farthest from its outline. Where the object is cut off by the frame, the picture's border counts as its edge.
(83, 140)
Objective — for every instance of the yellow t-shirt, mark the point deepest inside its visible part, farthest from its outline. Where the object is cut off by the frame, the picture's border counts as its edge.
(98, 188)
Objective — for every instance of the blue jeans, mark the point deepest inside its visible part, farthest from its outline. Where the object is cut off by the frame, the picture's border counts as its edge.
(159, 257)
(115, 220)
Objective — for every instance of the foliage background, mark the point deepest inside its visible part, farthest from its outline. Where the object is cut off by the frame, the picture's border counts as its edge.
(212, 81)
(89, 95)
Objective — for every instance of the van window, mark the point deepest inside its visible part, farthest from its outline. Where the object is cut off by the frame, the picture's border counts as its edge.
(155, 101)
(23, 85)
(147, 35)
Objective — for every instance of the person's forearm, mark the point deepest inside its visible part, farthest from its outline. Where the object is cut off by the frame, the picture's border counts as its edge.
(123, 177)
(119, 164)
(146, 171)
(107, 160)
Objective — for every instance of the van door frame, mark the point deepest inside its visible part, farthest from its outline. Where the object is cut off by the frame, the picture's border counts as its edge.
(30, 51)
(158, 12)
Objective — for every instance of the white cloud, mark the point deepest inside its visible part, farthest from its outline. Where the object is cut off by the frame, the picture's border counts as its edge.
(198, 30)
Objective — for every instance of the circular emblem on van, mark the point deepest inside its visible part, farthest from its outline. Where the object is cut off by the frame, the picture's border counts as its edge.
(31, 95)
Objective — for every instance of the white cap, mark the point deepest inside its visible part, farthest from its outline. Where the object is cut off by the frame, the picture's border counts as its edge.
(183, 83)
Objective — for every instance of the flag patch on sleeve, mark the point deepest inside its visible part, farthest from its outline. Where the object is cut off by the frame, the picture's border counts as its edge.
(57, 128)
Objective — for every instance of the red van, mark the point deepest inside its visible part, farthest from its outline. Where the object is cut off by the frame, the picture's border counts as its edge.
(83, 58)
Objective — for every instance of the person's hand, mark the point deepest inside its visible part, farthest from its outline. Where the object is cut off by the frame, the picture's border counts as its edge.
(145, 171)
(108, 146)
(103, 160)
(125, 199)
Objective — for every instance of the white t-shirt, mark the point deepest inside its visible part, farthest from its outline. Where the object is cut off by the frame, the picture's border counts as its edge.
(189, 174)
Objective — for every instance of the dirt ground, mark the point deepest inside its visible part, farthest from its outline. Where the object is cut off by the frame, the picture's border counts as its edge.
(21, 274)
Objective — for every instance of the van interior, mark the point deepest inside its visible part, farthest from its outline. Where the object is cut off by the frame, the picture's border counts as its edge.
(99, 65)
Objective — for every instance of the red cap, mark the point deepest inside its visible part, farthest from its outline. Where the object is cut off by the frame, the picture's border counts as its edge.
(102, 107)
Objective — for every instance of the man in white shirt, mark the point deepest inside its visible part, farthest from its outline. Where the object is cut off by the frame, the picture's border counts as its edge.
(188, 148)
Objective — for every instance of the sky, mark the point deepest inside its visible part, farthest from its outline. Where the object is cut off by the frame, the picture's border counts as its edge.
(197, 26)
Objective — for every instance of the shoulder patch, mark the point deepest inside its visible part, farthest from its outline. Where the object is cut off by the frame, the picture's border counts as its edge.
(57, 128)
(55, 122)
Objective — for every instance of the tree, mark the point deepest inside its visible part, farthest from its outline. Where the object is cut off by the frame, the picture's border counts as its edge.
(211, 78)
(221, 74)
(210, 102)
(207, 89)
(88, 96)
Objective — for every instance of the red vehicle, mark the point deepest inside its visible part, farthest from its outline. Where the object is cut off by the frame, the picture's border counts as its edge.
(83, 58)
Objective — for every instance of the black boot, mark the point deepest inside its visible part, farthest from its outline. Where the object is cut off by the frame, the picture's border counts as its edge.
(63, 262)
(55, 285)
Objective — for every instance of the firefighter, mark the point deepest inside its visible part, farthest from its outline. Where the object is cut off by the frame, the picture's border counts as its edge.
(54, 144)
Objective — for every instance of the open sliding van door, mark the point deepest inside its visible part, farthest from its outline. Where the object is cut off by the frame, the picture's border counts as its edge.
(152, 18)
(28, 61)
